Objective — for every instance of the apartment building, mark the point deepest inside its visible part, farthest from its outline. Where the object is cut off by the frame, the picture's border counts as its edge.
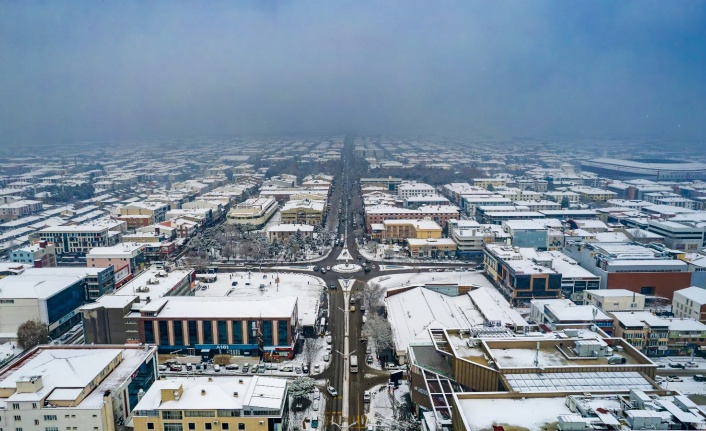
(411, 189)
(76, 387)
(282, 232)
(125, 258)
(488, 182)
(593, 194)
(690, 303)
(659, 336)
(441, 214)
(157, 211)
(80, 239)
(19, 208)
(245, 403)
(400, 230)
(40, 255)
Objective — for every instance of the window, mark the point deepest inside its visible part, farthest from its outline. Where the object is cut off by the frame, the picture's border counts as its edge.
(163, 333)
(207, 332)
(36, 421)
(178, 333)
(171, 414)
(222, 332)
(49, 417)
(15, 406)
(149, 332)
(282, 332)
(173, 427)
(51, 429)
(199, 413)
(241, 426)
(237, 332)
(207, 425)
(225, 426)
(193, 333)
(150, 425)
(18, 418)
(191, 425)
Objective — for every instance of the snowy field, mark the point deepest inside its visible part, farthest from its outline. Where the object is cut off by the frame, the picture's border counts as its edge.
(385, 403)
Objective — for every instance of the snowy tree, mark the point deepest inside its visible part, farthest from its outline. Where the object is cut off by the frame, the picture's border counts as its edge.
(310, 349)
(300, 387)
(32, 333)
(379, 330)
(373, 293)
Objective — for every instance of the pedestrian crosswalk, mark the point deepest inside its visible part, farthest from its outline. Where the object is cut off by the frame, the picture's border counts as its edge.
(332, 417)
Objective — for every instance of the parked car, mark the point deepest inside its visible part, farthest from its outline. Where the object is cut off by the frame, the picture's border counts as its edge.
(235, 283)
(674, 379)
(317, 368)
(246, 368)
(287, 368)
(232, 367)
(298, 370)
(217, 368)
(305, 369)
(327, 357)
(332, 391)
(390, 366)
(352, 308)
(692, 364)
(700, 378)
(366, 396)
(329, 339)
(175, 367)
(676, 365)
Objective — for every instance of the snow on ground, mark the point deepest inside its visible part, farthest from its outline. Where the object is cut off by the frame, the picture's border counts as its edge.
(400, 280)
(688, 386)
(307, 288)
(398, 256)
(381, 409)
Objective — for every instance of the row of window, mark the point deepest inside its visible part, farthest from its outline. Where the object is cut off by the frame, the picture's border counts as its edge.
(192, 426)
(221, 336)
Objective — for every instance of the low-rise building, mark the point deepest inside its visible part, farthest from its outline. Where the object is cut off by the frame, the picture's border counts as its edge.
(80, 239)
(40, 255)
(125, 258)
(282, 232)
(253, 403)
(566, 312)
(413, 188)
(659, 336)
(400, 230)
(19, 208)
(76, 387)
(611, 300)
(690, 303)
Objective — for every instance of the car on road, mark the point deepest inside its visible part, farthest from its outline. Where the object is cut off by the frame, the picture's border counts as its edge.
(674, 379)
(352, 299)
(390, 366)
(366, 396)
(316, 267)
(367, 269)
(317, 368)
(369, 359)
(332, 391)
(327, 357)
(352, 308)
(332, 286)
(329, 339)
(323, 270)
(328, 268)
(676, 365)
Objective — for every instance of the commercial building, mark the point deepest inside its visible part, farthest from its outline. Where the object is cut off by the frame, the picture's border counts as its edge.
(305, 211)
(250, 403)
(566, 312)
(51, 295)
(631, 266)
(75, 387)
(80, 239)
(155, 210)
(113, 318)
(431, 248)
(400, 230)
(679, 236)
(422, 200)
(690, 303)
(527, 233)
(229, 325)
(40, 255)
(254, 211)
(670, 170)
(520, 279)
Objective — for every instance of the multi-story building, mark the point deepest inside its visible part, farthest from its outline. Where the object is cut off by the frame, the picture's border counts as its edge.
(51, 295)
(611, 300)
(487, 182)
(246, 403)
(421, 200)
(228, 325)
(410, 189)
(156, 210)
(18, 209)
(40, 255)
(470, 236)
(690, 303)
(125, 258)
(305, 211)
(75, 387)
(659, 336)
(433, 248)
(679, 236)
(520, 279)
(112, 318)
(527, 233)
(80, 239)
(255, 212)
(438, 213)
(593, 193)
(566, 312)
(631, 266)
(557, 196)
(400, 230)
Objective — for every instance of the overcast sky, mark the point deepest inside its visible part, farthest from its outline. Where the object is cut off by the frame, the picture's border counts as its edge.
(114, 70)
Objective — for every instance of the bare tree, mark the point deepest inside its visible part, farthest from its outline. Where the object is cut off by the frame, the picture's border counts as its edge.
(310, 349)
(373, 294)
(32, 333)
(379, 330)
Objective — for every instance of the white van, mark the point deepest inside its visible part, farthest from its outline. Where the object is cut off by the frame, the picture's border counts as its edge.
(217, 368)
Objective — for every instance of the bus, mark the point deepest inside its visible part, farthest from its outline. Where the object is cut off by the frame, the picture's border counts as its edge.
(354, 364)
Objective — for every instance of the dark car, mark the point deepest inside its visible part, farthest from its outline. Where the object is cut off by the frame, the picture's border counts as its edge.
(676, 365)
(316, 267)
(367, 269)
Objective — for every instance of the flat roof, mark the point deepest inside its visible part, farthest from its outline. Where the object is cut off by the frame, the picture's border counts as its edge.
(694, 293)
(578, 382)
(219, 307)
(42, 283)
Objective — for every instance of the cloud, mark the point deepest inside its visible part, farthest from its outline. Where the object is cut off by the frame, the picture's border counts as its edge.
(75, 71)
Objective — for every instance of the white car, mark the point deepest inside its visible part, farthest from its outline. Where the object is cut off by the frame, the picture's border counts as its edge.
(332, 391)
(329, 339)
(327, 357)
(366, 396)
(317, 368)
(328, 268)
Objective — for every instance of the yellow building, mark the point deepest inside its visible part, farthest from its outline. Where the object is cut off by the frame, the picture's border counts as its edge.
(238, 403)
(433, 248)
(400, 230)
(306, 211)
(485, 182)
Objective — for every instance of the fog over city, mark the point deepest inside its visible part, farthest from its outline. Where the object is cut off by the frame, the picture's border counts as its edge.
(116, 71)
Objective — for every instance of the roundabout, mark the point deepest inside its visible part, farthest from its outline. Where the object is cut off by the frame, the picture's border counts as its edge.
(346, 268)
